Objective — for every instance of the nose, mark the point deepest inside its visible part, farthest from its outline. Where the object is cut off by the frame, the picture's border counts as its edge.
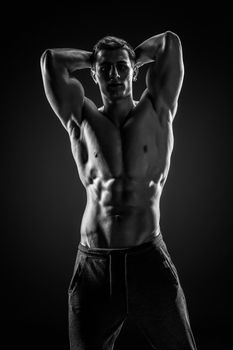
(113, 73)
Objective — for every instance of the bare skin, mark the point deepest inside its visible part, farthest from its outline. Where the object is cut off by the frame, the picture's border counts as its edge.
(122, 149)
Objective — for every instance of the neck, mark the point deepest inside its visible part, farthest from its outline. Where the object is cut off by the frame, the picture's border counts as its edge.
(118, 110)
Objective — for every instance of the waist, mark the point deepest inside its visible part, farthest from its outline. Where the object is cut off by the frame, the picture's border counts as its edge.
(155, 241)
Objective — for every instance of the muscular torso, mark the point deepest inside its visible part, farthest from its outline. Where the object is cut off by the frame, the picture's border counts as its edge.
(123, 170)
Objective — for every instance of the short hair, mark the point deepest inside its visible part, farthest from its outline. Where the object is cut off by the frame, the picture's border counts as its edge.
(112, 43)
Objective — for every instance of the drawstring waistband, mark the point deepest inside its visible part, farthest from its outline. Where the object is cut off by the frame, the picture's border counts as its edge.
(102, 252)
(121, 253)
(125, 277)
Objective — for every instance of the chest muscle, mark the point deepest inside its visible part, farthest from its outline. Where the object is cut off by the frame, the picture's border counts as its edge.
(138, 149)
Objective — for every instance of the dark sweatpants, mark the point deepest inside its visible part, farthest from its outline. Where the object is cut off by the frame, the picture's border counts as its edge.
(141, 282)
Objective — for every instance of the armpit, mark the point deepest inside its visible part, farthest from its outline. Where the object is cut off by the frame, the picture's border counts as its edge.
(73, 129)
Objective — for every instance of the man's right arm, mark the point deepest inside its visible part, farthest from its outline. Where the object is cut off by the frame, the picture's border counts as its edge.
(64, 92)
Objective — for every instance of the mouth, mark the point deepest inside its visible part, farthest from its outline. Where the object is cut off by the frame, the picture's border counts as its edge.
(115, 85)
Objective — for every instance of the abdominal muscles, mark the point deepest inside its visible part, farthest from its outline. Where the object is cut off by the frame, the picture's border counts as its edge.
(120, 213)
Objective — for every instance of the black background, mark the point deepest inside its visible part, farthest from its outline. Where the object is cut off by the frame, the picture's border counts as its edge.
(43, 199)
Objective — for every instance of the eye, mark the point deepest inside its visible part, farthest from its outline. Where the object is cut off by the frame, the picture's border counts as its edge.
(122, 66)
(102, 68)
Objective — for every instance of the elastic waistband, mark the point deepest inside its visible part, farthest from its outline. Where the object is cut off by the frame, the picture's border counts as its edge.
(138, 249)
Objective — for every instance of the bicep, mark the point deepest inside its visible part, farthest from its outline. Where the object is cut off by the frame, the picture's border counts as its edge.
(165, 75)
(64, 93)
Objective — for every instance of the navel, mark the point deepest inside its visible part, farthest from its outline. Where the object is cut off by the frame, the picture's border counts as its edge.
(95, 154)
(145, 148)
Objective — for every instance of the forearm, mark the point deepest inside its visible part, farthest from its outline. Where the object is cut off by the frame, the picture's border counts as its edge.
(68, 59)
(150, 49)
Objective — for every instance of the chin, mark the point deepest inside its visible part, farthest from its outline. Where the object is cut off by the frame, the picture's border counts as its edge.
(116, 96)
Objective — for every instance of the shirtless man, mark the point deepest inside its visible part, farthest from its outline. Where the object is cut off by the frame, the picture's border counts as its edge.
(122, 151)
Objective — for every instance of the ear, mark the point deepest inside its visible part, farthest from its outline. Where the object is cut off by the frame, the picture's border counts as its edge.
(93, 75)
(135, 72)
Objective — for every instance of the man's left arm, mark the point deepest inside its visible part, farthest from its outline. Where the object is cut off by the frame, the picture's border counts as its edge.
(165, 74)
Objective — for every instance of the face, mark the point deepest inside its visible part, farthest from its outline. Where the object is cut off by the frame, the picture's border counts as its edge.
(114, 73)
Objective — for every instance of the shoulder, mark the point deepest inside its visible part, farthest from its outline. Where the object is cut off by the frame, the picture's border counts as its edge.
(89, 108)
(91, 113)
(76, 120)
(157, 107)
(146, 101)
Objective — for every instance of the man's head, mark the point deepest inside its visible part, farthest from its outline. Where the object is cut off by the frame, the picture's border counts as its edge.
(112, 43)
(113, 67)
